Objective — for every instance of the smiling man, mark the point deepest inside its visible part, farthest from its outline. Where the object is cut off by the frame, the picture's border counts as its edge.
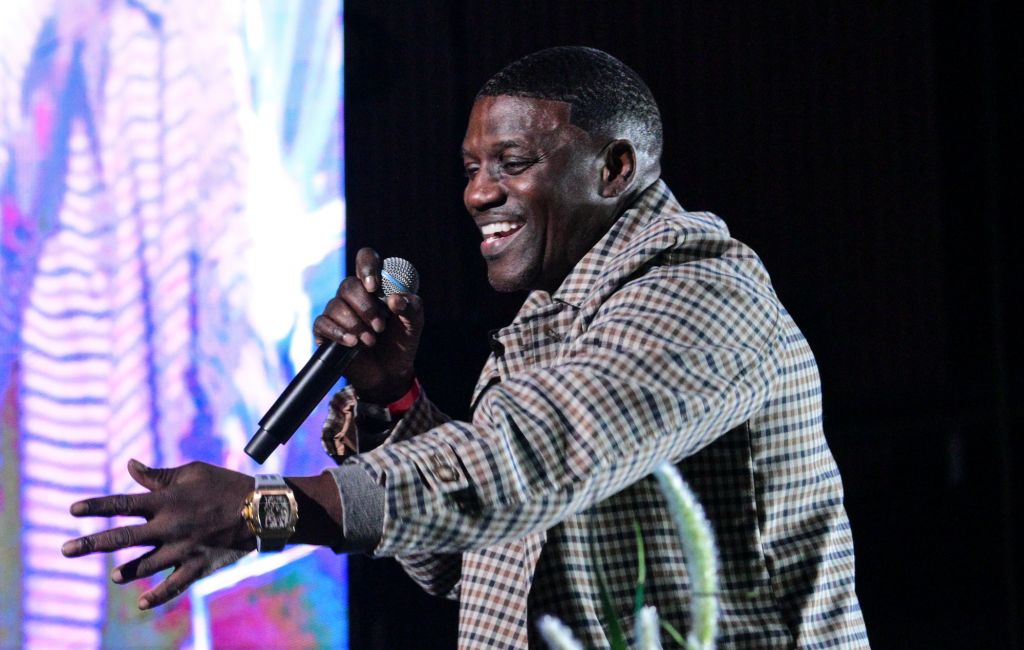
(648, 335)
(532, 188)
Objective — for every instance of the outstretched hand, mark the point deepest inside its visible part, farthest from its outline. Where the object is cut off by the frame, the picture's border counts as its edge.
(193, 522)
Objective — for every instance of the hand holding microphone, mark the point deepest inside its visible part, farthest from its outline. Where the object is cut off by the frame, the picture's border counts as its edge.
(369, 332)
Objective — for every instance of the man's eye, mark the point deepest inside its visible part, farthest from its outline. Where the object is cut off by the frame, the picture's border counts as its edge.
(469, 172)
(515, 165)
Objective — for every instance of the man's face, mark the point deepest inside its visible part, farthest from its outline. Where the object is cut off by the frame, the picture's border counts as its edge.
(533, 190)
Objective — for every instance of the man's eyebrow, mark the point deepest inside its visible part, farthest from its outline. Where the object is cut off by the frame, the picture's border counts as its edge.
(509, 144)
(498, 146)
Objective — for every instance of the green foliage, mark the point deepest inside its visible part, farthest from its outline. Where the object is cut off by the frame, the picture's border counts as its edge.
(641, 569)
(701, 555)
(614, 626)
(674, 633)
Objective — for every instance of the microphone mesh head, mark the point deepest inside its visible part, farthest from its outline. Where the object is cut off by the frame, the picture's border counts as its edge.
(398, 276)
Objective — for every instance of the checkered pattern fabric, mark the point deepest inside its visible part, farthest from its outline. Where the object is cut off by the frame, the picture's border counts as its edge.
(666, 341)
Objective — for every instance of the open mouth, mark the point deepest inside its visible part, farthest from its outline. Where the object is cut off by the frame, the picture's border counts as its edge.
(499, 229)
(496, 234)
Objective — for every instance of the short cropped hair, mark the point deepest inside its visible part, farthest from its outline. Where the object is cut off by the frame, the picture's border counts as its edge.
(607, 97)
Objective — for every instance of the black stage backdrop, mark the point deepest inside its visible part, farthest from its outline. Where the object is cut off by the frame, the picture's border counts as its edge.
(863, 150)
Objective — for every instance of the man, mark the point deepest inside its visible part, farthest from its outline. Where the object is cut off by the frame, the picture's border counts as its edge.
(648, 335)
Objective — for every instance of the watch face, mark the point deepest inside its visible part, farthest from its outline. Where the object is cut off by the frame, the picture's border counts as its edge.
(274, 511)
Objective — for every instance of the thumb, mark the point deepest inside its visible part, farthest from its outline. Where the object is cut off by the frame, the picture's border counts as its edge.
(408, 307)
(149, 478)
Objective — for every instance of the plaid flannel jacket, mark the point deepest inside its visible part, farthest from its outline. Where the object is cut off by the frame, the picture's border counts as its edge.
(666, 341)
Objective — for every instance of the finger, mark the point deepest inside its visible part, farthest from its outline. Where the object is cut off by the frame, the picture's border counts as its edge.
(365, 305)
(368, 268)
(149, 563)
(348, 325)
(132, 505)
(408, 307)
(110, 540)
(148, 477)
(176, 583)
(326, 329)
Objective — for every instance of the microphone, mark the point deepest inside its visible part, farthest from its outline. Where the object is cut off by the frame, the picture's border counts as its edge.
(321, 372)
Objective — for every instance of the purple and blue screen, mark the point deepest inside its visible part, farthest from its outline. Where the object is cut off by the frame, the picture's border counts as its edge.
(172, 221)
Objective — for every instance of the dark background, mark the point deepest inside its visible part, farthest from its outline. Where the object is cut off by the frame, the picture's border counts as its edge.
(863, 150)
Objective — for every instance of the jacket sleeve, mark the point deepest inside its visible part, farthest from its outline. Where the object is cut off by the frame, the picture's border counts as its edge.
(437, 573)
(668, 363)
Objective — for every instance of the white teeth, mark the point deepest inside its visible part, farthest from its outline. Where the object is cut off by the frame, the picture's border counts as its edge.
(500, 227)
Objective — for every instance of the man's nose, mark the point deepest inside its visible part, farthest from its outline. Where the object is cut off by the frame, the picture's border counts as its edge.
(483, 192)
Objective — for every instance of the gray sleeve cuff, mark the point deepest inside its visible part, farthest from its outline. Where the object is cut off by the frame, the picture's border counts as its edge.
(362, 509)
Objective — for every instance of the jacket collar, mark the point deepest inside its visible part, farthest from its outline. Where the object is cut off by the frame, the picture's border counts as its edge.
(635, 237)
(654, 223)
(592, 268)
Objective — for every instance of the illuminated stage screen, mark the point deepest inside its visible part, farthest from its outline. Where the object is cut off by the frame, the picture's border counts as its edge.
(173, 220)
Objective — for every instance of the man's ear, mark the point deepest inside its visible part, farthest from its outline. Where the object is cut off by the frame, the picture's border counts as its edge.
(619, 168)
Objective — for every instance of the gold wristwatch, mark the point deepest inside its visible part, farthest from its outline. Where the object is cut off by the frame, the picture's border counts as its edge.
(271, 512)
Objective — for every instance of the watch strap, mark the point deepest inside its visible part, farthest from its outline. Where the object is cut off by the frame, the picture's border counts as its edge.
(267, 481)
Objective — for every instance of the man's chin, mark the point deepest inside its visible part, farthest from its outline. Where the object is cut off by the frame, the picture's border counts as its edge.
(502, 285)
(504, 282)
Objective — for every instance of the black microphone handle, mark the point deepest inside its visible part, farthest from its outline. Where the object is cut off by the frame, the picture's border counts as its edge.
(317, 377)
